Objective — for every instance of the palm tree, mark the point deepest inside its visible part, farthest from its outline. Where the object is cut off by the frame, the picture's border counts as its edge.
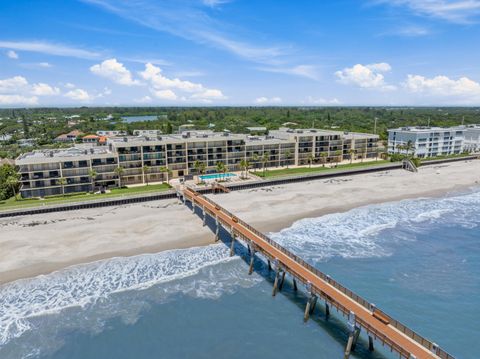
(323, 157)
(288, 154)
(13, 182)
(364, 154)
(119, 172)
(255, 159)
(196, 166)
(410, 147)
(338, 153)
(220, 167)
(166, 170)
(62, 181)
(202, 167)
(145, 170)
(92, 174)
(265, 159)
(224, 170)
(244, 165)
(351, 152)
(311, 158)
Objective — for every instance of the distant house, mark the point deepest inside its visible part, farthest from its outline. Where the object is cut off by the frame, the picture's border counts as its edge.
(90, 139)
(111, 133)
(5, 138)
(102, 140)
(6, 161)
(147, 132)
(69, 137)
(26, 142)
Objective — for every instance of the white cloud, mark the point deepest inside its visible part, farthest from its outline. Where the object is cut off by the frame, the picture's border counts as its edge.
(145, 99)
(214, 3)
(153, 74)
(322, 101)
(209, 94)
(160, 84)
(50, 49)
(18, 100)
(165, 94)
(443, 86)
(412, 31)
(188, 20)
(267, 100)
(69, 85)
(307, 71)
(17, 90)
(44, 64)
(459, 11)
(13, 84)
(79, 95)
(115, 71)
(12, 54)
(366, 76)
(42, 89)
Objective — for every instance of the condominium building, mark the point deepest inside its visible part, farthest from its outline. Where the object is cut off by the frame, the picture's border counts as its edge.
(41, 170)
(472, 138)
(426, 141)
(145, 158)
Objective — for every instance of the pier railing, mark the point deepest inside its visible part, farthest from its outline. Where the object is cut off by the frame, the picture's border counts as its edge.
(432, 347)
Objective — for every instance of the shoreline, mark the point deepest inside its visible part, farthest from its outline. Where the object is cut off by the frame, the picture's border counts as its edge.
(29, 243)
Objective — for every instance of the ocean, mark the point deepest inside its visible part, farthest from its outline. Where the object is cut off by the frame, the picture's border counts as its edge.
(418, 260)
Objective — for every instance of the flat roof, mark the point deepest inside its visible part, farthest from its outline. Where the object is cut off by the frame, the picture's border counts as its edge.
(420, 129)
(78, 152)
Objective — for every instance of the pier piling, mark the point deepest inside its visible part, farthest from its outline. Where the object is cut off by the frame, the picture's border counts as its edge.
(232, 245)
(370, 343)
(377, 324)
(282, 281)
(252, 261)
(275, 283)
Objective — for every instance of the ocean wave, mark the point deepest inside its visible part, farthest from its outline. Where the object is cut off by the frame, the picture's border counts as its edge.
(86, 285)
(356, 233)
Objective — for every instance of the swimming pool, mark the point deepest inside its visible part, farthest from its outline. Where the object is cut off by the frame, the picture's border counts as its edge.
(217, 176)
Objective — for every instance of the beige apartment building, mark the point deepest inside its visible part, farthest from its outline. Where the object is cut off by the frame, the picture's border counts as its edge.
(41, 170)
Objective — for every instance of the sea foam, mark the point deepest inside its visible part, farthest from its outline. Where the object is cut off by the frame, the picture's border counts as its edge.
(82, 285)
(354, 234)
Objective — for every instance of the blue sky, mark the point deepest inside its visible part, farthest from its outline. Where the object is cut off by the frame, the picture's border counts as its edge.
(239, 52)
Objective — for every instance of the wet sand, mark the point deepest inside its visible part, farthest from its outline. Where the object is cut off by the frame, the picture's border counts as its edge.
(40, 244)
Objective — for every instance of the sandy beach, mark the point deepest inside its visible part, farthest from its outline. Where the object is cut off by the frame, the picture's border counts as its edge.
(34, 245)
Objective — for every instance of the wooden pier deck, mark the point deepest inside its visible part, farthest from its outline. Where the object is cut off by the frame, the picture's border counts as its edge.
(361, 314)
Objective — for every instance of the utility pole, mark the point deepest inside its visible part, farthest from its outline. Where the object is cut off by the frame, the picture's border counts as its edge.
(375, 126)
(463, 120)
(428, 124)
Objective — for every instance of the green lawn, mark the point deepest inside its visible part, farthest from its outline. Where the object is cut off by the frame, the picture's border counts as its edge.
(115, 192)
(307, 170)
(447, 156)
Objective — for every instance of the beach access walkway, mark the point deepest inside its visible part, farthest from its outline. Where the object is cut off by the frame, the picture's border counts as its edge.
(361, 314)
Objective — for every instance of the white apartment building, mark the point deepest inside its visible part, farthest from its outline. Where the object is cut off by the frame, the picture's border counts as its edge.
(472, 138)
(427, 141)
(41, 170)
